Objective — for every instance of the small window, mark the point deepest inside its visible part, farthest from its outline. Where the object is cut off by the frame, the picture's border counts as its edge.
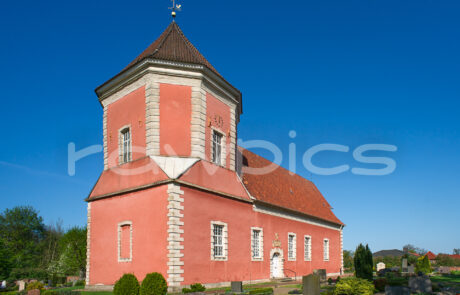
(326, 250)
(216, 147)
(256, 244)
(125, 146)
(125, 237)
(307, 248)
(291, 246)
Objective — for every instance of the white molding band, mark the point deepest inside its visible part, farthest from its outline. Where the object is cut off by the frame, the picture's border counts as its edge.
(105, 135)
(88, 244)
(119, 230)
(175, 238)
(261, 244)
(302, 218)
(341, 252)
(224, 256)
(294, 247)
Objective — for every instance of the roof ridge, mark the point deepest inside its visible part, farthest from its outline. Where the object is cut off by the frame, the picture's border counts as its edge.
(162, 42)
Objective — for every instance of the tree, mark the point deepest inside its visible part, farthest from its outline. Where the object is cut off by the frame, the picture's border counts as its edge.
(363, 262)
(73, 249)
(456, 251)
(409, 248)
(348, 259)
(423, 265)
(22, 231)
(5, 263)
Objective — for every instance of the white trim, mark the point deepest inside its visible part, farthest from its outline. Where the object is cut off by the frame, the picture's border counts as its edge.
(305, 248)
(88, 244)
(301, 218)
(105, 135)
(120, 225)
(152, 118)
(224, 256)
(294, 247)
(341, 251)
(223, 147)
(175, 238)
(121, 144)
(261, 244)
(326, 252)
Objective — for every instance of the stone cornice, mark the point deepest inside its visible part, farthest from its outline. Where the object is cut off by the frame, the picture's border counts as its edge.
(164, 67)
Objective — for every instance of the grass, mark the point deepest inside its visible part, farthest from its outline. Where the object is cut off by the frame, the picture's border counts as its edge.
(96, 293)
(452, 279)
(294, 286)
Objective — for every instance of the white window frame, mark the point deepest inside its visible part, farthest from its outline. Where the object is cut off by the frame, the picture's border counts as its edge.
(259, 243)
(326, 246)
(292, 248)
(223, 154)
(120, 225)
(224, 255)
(307, 248)
(121, 143)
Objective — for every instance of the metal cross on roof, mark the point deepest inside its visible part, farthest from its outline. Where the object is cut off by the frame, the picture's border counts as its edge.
(174, 8)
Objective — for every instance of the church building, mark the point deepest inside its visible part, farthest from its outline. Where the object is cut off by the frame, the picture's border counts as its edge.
(179, 197)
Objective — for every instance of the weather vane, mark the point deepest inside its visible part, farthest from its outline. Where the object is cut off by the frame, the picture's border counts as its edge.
(174, 8)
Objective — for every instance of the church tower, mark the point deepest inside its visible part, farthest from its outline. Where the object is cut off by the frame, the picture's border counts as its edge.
(172, 199)
(170, 102)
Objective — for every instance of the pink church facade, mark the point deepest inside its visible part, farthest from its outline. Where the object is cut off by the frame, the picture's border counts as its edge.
(177, 196)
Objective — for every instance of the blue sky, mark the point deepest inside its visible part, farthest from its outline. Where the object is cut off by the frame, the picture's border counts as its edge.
(344, 72)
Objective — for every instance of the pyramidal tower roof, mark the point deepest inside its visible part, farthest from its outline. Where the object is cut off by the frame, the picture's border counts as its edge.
(172, 45)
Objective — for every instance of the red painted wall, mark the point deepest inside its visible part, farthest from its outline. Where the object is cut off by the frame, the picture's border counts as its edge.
(175, 119)
(201, 208)
(128, 110)
(218, 114)
(147, 210)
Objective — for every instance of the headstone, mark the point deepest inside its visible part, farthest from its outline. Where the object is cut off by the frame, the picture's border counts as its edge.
(396, 290)
(444, 270)
(33, 292)
(3, 284)
(22, 285)
(380, 266)
(322, 274)
(404, 265)
(411, 269)
(311, 285)
(237, 287)
(420, 284)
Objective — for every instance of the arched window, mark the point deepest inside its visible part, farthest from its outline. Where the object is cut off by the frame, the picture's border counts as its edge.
(125, 145)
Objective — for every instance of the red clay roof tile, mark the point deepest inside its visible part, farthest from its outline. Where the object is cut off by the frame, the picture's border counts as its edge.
(282, 188)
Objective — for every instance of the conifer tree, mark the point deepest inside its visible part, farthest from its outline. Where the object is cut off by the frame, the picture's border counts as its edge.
(363, 262)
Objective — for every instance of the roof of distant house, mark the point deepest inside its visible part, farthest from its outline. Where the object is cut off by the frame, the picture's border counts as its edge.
(430, 255)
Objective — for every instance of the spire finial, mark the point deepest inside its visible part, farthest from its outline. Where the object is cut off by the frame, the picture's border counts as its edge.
(174, 8)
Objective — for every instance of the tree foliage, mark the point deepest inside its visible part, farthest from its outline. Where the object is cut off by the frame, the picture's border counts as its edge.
(126, 285)
(22, 231)
(363, 262)
(348, 260)
(154, 284)
(73, 249)
(423, 265)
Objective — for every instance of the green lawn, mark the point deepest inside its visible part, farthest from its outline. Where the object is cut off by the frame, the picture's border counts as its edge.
(450, 279)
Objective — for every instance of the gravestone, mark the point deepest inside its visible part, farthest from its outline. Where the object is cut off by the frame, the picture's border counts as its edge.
(444, 270)
(237, 287)
(411, 269)
(311, 285)
(33, 292)
(22, 285)
(404, 265)
(3, 284)
(322, 274)
(396, 290)
(380, 266)
(420, 284)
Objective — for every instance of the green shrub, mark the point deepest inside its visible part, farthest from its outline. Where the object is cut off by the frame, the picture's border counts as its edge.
(126, 285)
(295, 291)
(354, 286)
(49, 292)
(80, 283)
(363, 262)
(261, 291)
(154, 284)
(194, 288)
(35, 285)
(455, 272)
(380, 284)
(423, 265)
